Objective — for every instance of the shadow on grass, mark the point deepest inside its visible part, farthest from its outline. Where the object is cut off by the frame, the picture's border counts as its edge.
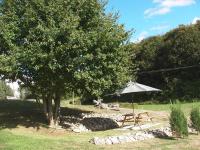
(23, 113)
(15, 113)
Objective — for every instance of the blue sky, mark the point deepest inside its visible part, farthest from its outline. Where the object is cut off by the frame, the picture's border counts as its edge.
(154, 17)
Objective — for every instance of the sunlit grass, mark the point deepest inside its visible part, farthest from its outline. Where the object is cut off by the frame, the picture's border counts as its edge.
(15, 135)
(186, 107)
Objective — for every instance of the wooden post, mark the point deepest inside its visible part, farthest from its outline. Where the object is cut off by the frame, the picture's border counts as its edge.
(73, 98)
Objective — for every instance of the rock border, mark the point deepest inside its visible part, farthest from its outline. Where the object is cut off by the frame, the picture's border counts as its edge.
(132, 137)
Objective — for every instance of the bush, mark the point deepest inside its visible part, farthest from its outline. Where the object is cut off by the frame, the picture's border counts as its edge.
(5, 90)
(195, 118)
(178, 122)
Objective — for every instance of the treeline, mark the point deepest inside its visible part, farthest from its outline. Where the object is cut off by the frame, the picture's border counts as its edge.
(171, 62)
(55, 48)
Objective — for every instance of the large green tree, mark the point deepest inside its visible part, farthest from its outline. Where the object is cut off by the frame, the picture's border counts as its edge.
(53, 45)
(180, 48)
(146, 52)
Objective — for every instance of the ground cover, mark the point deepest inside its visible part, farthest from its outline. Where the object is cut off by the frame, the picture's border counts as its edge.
(22, 128)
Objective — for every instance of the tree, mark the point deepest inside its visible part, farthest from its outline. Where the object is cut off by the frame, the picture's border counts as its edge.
(181, 48)
(146, 52)
(53, 45)
(177, 48)
(145, 58)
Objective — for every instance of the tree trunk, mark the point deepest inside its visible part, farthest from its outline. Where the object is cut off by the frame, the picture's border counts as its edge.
(50, 113)
(57, 110)
(48, 110)
(53, 117)
(45, 104)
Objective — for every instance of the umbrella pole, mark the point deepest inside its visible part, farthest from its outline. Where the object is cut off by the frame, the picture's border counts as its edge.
(133, 106)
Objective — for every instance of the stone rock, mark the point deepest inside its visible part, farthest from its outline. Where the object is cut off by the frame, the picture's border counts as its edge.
(99, 124)
(162, 132)
(132, 139)
(98, 141)
(127, 139)
(108, 141)
(114, 140)
(121, 139)
(139, 136)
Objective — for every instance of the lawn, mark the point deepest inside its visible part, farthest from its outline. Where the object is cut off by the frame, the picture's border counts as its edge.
(16, 140)
(22, 128)
(186, 107)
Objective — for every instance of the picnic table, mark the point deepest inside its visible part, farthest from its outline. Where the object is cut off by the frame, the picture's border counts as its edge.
(136, 118)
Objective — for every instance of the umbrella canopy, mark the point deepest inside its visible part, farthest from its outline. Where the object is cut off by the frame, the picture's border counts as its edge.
(133, 87)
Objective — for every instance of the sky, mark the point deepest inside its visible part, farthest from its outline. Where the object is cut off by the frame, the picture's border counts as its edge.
(154, 17)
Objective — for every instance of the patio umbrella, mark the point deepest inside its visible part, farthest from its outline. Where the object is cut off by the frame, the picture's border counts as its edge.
(134, 87)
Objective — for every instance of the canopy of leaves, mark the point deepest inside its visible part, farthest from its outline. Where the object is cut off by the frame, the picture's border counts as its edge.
(177, 48)
(51, 45)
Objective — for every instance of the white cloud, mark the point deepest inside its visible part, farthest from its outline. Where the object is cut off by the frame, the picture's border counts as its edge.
(176, 3)
(194, 21)
(165, 6)
(156, 11)
(160, 27)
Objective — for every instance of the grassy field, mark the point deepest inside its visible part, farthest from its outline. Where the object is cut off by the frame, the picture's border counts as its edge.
(18, 140)
(22, 127)
(186, 107)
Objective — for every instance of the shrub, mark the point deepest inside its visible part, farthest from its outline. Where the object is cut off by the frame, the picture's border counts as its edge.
(178, 122)
(195, 118)
(5, 90)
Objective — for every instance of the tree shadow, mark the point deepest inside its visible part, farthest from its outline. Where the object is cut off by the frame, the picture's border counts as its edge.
(71, 116)
(24, 113)
(14, 113)
(73, 112)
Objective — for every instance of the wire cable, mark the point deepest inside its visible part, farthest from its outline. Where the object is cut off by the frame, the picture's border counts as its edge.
(168, 69)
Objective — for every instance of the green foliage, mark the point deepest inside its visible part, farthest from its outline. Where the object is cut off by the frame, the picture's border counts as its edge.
(58, 44)
(178, 122)
(5, 90)
(195, 118)
(146, 52)
(177, 48)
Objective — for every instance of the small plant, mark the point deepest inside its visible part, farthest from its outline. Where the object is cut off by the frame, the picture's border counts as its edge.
(178, 122)
(195, 118)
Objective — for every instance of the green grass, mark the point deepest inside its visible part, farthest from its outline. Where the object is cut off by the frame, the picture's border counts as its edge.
(22, 127)
(23, 141)
(10, 140)
(161, 107)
